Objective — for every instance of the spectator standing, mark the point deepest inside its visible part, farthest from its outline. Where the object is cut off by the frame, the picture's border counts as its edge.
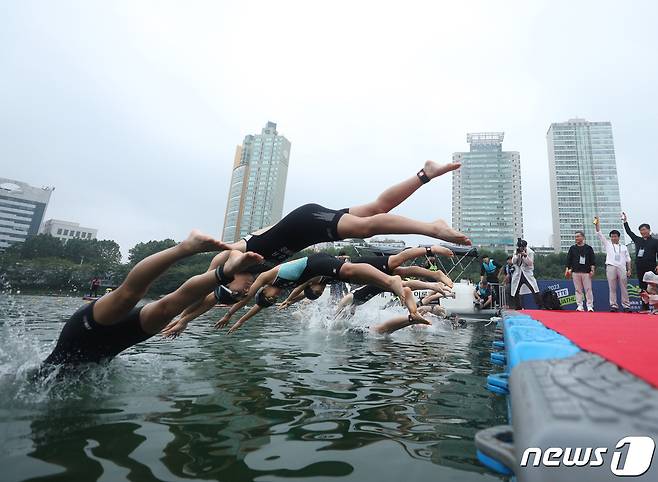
(489, 270)
(94, 287)
(581, 266)
(646, 253)
(617, 267)
(523, 277)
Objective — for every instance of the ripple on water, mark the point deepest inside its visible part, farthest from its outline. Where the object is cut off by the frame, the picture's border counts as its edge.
(286, 397)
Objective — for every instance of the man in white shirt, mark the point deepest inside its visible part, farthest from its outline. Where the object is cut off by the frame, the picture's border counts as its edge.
(617, 266)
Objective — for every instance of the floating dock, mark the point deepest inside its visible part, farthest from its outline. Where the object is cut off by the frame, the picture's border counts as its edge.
(582, 393)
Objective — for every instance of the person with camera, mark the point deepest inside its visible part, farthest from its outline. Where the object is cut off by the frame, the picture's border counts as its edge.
(581, 266)
(523, 276)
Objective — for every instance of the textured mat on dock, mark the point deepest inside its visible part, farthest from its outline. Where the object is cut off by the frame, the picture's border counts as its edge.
(582, 402)
(628, 339)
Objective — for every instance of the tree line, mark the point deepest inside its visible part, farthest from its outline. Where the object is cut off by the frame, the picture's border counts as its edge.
(45, 264)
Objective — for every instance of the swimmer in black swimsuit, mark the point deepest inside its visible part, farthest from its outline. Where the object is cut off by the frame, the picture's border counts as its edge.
(390, 265)
(311, 269)
(363, 294)
(311, 224)
(102, 329)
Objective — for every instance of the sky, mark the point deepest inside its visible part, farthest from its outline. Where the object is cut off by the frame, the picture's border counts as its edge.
(133, 109)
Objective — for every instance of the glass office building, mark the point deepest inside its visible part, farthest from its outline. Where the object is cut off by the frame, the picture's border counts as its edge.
(258, 183)
(486, 192)
(583, 177)
(22, 208)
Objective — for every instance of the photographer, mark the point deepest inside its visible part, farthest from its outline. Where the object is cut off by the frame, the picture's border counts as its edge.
(523, 278)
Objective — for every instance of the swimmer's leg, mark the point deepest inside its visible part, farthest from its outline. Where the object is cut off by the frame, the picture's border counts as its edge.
(350, 226)
(366, 274)
(114, 306)
(177, 326)
(395, 195)
(413, 253)
(414, 284)
(395, 324)
(154, 316)
(420, 272)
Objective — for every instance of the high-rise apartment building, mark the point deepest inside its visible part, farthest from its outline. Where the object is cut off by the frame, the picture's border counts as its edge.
(21, 210)
(258, 183)
(583, 176)
(486, 192)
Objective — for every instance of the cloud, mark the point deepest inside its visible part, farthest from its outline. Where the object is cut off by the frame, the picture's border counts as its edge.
(133, 109)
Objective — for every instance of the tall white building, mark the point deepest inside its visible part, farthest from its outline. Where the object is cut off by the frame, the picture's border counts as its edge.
(487, 203)
(258, 183)
(22, 208)
(67, 230)
(583, 176)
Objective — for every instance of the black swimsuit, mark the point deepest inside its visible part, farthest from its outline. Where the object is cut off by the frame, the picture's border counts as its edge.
(303, 227)
(83, 340)
(379, 262)
(321, 265)
(365, 293)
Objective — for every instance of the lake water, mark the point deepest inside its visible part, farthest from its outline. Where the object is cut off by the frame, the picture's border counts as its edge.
(289, 397)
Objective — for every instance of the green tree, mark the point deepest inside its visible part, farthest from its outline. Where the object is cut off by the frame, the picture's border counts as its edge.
(41, 246)
(143, 250)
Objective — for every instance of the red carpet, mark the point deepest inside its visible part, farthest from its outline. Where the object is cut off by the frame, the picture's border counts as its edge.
(629, 340)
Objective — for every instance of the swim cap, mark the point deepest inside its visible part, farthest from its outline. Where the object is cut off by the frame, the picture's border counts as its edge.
(261, 299)
(310, 294)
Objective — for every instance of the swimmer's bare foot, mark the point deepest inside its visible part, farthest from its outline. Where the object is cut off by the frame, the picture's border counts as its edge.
(434, 169)
(240, 261)
(444, 278)
(416, 318)
(443, 231)
(226, 246)
(396, 286)
(441, 251)
(198, 242)
(437, 288)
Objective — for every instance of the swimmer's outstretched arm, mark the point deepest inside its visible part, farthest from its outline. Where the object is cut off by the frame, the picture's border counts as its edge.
(176, 327)
(248, 315)
(290, 301)
(396, 324)
(345, 301)
(156, 315)
(263, 279)
(298, 293)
